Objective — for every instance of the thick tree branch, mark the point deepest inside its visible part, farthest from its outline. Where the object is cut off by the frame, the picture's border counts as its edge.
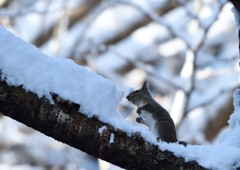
(63, 122)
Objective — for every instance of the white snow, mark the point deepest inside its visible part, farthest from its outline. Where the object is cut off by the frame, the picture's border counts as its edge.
(111, 138)
(23, 64)
(27, 66)
(234, 120)
(101, 129)
(224, 153)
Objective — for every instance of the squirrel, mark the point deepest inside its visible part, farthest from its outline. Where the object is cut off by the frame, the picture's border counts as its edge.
(153, 114)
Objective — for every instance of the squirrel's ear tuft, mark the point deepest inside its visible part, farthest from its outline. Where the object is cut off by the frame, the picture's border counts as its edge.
(145, 84)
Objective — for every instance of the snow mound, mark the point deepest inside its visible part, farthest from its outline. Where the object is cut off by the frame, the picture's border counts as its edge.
(28, 66)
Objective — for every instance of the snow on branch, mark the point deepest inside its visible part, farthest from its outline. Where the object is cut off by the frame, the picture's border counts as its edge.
(43, 93)
(35, 71)
(75, 106)
(63, 122)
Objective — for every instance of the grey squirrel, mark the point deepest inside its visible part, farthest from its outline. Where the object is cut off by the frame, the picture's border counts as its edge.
(153, 114)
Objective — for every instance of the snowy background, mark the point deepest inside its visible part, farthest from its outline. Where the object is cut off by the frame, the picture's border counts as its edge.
(188, 50)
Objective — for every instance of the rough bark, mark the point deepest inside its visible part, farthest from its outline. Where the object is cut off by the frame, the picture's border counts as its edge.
(63, 122)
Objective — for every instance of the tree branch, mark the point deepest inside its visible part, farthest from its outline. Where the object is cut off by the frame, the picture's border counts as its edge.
(63, 122)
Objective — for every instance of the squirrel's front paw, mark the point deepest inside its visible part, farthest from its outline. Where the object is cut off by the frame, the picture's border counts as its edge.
(139, 111)
(139, 120)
